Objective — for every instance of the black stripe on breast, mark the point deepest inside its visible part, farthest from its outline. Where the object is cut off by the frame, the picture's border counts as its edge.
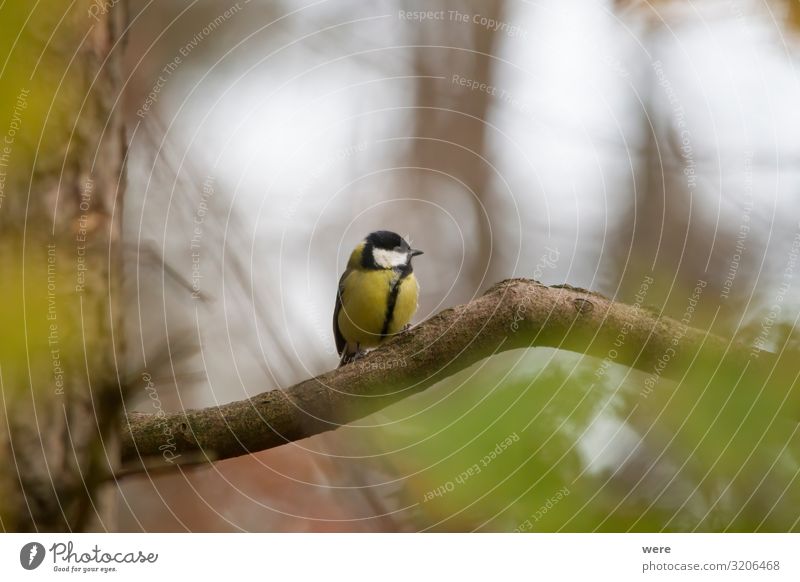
(392, 300)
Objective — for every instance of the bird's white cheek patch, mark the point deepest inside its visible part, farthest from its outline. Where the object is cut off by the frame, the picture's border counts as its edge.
(389, 259)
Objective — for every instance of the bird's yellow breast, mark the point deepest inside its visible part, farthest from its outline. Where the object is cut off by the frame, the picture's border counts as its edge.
(406, 304)
(365, 301)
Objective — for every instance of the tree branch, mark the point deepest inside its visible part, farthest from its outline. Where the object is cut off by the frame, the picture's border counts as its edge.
(516, 313)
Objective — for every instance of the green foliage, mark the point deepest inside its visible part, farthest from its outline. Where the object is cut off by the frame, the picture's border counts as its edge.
(565, 443)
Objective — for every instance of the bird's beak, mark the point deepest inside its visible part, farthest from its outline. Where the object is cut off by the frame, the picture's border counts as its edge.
(415, 252)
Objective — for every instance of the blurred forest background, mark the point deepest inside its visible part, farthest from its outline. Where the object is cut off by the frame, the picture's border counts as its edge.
(649, 151)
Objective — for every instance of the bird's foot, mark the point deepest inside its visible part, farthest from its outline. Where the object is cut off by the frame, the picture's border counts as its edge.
(350, 358)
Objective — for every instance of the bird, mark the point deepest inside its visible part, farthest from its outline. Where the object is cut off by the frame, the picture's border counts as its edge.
(377, 294)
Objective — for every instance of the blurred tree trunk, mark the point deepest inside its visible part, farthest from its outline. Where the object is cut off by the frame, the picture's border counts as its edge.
(61, 166)
(794, 14)
(453, 132)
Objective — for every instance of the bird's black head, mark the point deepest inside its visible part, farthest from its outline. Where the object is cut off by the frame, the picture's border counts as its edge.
(384, 249)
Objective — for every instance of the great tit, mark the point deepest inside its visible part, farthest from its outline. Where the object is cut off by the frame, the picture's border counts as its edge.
(377, 294)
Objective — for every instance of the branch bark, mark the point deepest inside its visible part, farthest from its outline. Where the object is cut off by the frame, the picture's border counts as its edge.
(513, 314)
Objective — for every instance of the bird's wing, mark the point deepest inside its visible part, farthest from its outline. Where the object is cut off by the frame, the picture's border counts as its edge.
(341, 343)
